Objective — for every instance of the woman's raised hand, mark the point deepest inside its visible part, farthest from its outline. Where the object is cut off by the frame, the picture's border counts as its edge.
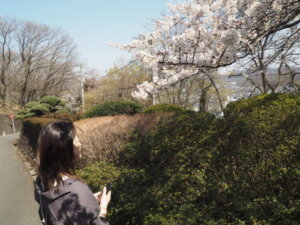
(98, 196)
(104, 201)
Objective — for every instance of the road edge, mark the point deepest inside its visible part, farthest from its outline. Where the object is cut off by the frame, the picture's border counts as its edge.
(26, 163)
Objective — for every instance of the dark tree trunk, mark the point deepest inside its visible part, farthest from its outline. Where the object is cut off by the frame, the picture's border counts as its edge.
(203, 101)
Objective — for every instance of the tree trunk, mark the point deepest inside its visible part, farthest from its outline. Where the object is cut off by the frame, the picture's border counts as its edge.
(4, 94)
(203, 101)
(217, 91)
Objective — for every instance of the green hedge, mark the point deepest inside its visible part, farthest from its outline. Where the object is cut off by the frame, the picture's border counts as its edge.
(163, 108)
(113, 108)
(97, 175)
(31, 128)
(198, 169)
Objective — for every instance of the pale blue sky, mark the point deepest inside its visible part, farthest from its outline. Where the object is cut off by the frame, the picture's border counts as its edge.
(91, 23)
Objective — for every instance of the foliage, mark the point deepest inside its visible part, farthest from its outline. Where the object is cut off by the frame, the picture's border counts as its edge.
(160, 166)
(163, 108)
(97, 175)
(61, 111)
(117, 85)
(28, 115)
(48, 104)
(198, 37)
(41, 45)
(103, 138)
(198, 169)
(39, 109)
(30, 105)
(113, 108)
(51, 100)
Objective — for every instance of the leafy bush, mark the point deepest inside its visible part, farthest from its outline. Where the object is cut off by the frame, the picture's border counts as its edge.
(113, 108)
(62, 111)
(51, 100)
(48, 104)
(198, 169)
(22, 112)
(39, 109)
(97, 175)
(164, 108)
(28, 115)
(25, 115)
(159, 186)
(30, 105)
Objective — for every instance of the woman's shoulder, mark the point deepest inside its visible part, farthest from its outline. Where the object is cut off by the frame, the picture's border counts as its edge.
(81, 193)
(77, 184)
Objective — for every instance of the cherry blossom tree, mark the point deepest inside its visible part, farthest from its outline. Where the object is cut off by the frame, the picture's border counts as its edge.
(273, 66)
(199, 36)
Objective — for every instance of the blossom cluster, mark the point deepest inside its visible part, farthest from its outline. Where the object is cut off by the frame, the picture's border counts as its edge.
(198, 36)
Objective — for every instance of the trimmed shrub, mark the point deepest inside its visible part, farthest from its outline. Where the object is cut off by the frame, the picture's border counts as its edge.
(26, 115)
(164, 168)
(22, 112)
(163, 108)
(103, 138)
(197, 169)
(62, 111)
(39, 109)
(30, 105)
(51, 100)
(48, 104)
(98, 174)
(113, 108)
(30, 114)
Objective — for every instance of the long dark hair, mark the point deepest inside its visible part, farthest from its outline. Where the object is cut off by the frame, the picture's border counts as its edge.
(55, 152)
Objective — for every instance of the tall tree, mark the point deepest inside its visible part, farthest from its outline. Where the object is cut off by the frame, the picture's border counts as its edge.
(118, 84)
(35, 60)
(7, 28)
(200, 36)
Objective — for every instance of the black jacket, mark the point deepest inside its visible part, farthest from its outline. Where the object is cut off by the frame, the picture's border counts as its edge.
(70, 203)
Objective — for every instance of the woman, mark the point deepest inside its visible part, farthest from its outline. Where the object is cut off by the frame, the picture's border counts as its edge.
(63, 198)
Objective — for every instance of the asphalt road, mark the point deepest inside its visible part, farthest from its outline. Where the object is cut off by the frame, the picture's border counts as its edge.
(17, 205)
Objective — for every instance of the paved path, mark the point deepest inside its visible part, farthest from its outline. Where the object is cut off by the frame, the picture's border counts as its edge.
(17, 205)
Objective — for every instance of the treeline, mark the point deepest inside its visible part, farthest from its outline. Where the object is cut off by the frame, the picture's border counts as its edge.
(35, 60)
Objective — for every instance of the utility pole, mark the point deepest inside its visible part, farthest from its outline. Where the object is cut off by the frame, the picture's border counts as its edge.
(82, 89)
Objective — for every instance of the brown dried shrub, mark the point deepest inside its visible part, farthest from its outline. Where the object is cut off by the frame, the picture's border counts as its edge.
(103, 138)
